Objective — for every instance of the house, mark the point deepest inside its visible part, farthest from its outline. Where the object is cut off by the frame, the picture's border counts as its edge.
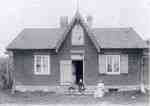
(52, 59)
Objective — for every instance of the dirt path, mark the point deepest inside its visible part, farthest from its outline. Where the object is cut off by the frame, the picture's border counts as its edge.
(102, 104)
(49, 99)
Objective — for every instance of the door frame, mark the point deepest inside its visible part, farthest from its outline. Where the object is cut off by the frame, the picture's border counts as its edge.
(82, 58)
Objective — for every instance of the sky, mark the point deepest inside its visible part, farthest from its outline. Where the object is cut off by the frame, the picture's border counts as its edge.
(15, 15)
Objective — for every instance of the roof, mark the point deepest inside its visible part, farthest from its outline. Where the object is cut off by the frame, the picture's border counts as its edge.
(148, 41)
(52, 38)
(118, 38)
(37, 38)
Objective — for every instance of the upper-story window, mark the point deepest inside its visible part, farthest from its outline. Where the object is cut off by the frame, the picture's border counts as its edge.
(77, 35)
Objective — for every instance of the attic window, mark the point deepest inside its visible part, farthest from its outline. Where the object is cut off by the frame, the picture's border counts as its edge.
(77, 35)
(41, 65)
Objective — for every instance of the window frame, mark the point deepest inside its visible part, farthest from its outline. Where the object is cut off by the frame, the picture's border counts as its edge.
(42, 72)
(113, 72)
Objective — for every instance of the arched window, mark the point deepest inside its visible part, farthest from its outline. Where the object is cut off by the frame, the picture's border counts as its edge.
(77, 35)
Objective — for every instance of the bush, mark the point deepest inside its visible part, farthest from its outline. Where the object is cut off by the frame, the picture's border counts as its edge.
(5, 74)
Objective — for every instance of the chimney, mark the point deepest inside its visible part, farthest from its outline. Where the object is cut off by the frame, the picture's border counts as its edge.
(89, 20)
(63, 21)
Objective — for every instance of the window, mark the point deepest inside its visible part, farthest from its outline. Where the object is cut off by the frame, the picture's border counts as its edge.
(113, 64)
(77, 35)
(41, 64)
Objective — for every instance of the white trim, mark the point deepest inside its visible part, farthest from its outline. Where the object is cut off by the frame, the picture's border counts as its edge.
(112, 73)
(83, 69)
(77, 51)
(42, 70)
(77, 57)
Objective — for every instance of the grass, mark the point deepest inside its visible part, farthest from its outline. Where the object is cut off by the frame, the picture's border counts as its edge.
(123, 98)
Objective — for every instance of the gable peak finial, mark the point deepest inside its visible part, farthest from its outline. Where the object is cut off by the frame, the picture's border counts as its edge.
(77, 15)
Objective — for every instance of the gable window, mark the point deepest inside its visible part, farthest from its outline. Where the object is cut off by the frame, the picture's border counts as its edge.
(41, 64)
(113, 64)
(77, 35)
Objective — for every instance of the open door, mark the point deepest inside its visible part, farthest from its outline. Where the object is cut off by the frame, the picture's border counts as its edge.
(65, 72)
(78, 71)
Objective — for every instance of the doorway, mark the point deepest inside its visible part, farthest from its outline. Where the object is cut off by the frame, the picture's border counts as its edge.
(77, 71)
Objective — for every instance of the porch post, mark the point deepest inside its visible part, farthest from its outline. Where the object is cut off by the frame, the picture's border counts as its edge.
(142, 87)
(10, 67)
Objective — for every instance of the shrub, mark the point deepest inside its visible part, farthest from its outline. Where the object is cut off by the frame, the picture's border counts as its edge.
(5, 74)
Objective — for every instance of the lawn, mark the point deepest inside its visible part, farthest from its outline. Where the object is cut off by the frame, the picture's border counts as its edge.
(119, 98)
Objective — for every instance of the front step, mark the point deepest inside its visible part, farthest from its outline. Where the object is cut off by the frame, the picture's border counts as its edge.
(76, 92)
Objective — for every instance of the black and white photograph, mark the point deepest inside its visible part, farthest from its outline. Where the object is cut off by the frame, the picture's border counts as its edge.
(74, 52)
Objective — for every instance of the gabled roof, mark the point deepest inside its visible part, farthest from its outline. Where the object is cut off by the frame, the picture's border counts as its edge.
(52, 38)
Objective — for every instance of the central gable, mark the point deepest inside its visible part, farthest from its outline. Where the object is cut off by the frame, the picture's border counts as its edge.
(79, 29)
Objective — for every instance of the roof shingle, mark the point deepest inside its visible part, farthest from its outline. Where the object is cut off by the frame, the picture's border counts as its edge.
(47, 38)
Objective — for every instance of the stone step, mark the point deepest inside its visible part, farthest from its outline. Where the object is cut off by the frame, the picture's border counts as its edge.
(80, 93)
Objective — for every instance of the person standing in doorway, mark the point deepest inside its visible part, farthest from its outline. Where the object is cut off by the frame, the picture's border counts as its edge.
(81, 85)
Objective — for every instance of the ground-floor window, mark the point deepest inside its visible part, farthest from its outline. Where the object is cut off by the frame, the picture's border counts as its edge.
(41, 64)
(113, 64)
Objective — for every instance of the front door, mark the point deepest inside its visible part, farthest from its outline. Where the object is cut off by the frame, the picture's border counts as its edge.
(77, 70)
(65, 72)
